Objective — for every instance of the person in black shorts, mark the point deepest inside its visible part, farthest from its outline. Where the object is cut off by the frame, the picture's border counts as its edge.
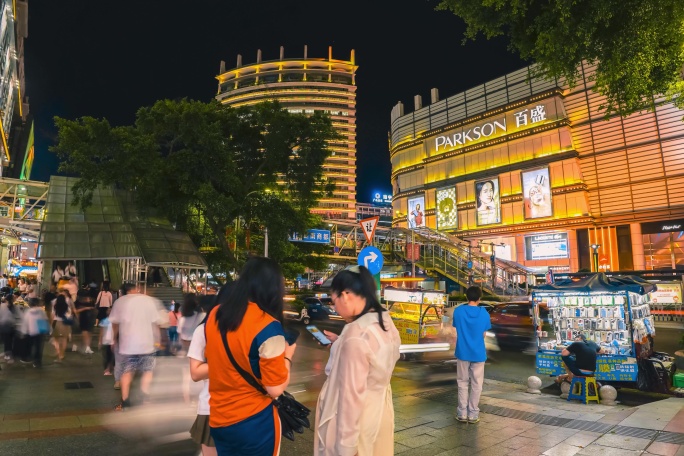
(579, 359)
(86, 320)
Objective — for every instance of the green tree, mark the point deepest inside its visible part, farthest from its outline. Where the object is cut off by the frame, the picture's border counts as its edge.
(637, 45)
(202, 165)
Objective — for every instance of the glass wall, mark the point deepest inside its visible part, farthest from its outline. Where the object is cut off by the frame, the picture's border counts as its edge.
(664, 250)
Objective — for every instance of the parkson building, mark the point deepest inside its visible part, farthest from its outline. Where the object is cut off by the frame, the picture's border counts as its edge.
(532, 168)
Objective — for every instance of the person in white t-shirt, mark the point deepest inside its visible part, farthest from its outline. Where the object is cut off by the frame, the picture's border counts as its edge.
(199, 371)
(135, 325)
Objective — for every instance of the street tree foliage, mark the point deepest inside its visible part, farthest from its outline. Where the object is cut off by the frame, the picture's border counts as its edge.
(204, 165)
(637, 45)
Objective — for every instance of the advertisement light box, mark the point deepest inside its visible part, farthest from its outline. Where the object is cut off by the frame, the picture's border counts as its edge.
(546, 246)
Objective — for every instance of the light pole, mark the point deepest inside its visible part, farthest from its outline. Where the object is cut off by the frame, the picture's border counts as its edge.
(265, 227)
(595, 248)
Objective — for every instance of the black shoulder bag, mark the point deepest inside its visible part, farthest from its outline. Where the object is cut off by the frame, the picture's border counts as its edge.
(294, 417)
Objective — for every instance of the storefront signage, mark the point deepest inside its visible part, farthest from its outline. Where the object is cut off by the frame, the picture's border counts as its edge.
(667, 293)
(312, 237)
(382, 197)
(546, 246)
(667, 226)
(493, 127)
(608, 368)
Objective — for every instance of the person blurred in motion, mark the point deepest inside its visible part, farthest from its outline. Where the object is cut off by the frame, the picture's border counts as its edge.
(471, 322)
(249, 324)
(8, 316)
(103, 302)
(22, 287)
(174, 316)
(191, 317)
(84, 311)
(199, 371)
(62, 319)
(34, 326)
(355, 415)
(135, 319)
(48, 298)
(3, 281)
(106, 341)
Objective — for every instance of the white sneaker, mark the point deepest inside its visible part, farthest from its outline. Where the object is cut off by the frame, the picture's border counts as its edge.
(74, 348)
(88, 351)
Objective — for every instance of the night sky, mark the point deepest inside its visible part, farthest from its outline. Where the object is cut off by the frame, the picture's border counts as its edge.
(106, 59)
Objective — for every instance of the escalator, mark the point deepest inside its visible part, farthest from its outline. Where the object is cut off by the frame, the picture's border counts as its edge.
(93, 271)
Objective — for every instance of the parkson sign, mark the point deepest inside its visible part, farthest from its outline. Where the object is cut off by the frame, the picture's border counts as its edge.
(491, 128)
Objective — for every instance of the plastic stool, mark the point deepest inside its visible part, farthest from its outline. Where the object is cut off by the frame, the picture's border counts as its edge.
(579, 390)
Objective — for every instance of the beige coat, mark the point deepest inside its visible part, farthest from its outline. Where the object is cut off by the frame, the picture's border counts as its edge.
(355, 413)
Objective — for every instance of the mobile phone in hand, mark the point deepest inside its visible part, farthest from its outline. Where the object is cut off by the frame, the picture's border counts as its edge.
(318, 335)
(291, 336)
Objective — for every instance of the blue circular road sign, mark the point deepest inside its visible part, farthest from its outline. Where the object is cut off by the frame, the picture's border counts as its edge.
(371, 258)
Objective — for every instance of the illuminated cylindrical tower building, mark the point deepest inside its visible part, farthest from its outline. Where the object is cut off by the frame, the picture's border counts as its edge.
(305, 85)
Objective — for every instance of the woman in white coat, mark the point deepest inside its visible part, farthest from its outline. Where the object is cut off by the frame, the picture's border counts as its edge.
(355, 415)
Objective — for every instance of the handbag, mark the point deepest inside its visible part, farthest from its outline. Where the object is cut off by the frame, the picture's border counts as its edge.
(294, 416)
(43, 326)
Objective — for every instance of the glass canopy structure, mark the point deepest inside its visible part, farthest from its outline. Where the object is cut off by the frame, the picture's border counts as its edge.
(111, 228)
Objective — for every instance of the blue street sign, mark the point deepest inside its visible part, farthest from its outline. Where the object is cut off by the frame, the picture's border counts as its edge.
(312, 237)
(371, 258)
(470, 265)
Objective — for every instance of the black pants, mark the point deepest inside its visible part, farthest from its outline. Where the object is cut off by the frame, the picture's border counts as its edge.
(8, 339)
(108, 358)
(34, 349)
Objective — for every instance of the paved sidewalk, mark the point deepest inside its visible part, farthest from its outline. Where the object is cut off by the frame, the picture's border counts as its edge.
(39, 415)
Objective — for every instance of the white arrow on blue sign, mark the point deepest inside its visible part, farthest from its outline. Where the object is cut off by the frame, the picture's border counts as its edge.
(372, 259)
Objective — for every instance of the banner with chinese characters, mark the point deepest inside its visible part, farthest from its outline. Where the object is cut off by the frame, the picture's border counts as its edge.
(312, 237)
(614, 368)
(408, 331)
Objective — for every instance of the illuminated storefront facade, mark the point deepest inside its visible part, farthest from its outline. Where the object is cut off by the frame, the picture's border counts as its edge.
(531, 168)
(305, 85)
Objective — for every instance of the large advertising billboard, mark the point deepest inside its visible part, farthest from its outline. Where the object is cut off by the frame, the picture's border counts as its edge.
(416, 212)
(547, 246)
(537, 193)
(488, 205)
(447, 217)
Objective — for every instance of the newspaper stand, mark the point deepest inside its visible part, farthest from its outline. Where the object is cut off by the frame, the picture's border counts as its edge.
(615, 314)
(417, 315)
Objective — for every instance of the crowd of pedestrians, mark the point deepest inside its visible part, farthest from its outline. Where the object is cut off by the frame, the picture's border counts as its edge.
(238, 349)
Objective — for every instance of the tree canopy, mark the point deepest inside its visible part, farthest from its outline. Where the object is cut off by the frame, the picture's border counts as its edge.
(204, 166)
(637, 45)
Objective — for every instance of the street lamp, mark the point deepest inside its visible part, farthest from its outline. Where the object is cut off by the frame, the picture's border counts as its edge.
(265, 228)
(595, 248)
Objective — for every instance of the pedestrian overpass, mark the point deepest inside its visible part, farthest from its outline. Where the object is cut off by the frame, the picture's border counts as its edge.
(433, 251)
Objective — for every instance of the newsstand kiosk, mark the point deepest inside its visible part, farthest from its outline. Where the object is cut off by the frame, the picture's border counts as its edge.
(614, 313)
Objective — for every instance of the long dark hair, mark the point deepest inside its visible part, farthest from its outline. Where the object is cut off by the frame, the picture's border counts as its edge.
(261, 281)
(362, 284)
(61, 306)
(189, 306)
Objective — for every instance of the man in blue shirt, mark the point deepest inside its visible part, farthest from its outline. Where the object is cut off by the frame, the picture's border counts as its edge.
(471, 322)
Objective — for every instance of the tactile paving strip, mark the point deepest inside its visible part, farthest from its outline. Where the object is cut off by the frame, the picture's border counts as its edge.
(450, 396)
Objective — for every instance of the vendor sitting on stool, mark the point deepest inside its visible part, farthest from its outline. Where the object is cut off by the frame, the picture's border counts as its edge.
(579, 359)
